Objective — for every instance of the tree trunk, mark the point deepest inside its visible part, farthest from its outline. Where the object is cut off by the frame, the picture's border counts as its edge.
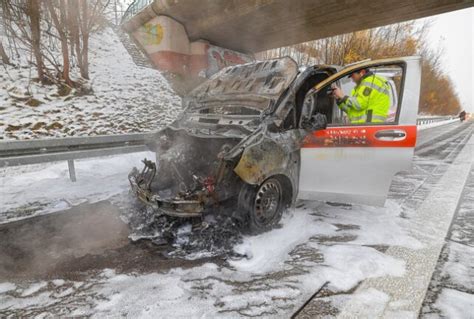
(59, 23)
(73, 25)
(4, 55)
(34, 15)
(85, 57)
(64, 43)
(85, 38)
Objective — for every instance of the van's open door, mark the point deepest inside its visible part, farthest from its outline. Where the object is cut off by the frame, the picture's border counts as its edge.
(355, 163)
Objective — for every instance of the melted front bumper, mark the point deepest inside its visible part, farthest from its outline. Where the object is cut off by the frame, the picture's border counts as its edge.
(176, 207)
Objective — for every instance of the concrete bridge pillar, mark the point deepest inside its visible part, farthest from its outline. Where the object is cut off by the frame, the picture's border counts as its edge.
(166, 43)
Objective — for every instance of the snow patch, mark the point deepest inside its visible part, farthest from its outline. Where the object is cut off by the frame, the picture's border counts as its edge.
(460, 265)
(32, 190)
(455, 304)
(6, 286)
(34, 288)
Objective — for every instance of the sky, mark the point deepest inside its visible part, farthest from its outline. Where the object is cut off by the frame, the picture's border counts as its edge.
(454, 32)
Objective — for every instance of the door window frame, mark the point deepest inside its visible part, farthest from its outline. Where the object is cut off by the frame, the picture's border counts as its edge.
(401, 64)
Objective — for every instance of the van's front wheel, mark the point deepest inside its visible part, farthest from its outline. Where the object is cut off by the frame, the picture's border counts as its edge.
(262, 205)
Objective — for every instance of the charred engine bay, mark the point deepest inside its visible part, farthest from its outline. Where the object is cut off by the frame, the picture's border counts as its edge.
(190, 167)
(193, 167)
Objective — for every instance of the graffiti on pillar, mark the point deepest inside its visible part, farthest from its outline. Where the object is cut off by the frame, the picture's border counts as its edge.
(152, 33)
(220, 58)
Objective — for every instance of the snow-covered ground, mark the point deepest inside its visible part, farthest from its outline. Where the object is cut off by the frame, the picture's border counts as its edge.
(451, 292)
(126, 98)
(27, 191)
(455, 304)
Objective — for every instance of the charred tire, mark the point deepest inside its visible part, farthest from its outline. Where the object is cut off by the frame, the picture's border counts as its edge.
(262, 206)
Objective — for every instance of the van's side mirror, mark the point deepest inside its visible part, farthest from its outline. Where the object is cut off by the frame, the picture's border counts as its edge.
(315, 123)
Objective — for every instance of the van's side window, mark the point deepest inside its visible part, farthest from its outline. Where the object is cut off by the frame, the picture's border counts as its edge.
(365, 96)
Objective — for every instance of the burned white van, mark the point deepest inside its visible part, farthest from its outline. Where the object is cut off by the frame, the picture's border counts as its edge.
(255, 137)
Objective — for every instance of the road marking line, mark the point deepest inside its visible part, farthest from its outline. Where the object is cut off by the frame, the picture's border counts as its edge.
(430, 226)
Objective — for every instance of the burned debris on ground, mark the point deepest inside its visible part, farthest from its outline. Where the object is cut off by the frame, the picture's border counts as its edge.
(215, 235)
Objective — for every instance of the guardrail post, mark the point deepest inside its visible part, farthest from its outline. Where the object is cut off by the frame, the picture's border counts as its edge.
(72, 170)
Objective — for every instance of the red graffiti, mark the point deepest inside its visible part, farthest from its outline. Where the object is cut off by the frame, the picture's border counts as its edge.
(220, 58)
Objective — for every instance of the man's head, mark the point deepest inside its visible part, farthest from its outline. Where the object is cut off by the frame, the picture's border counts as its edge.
(358, 75)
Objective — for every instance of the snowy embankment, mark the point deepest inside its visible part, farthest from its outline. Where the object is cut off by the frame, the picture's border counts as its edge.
(126, 98)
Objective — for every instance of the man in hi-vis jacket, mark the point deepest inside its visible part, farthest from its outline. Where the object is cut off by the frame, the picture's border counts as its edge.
(369, 101)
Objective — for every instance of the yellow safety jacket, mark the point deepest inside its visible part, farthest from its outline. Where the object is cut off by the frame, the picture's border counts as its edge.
(369, 101)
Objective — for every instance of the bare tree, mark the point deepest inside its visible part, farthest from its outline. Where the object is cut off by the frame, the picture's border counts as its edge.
(3, 54)
(59, 17)
(85, 31)
(55, 32)
(84, 17)
(34, 15)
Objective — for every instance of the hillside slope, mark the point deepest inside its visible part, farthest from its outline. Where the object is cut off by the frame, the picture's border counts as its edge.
(126, 98)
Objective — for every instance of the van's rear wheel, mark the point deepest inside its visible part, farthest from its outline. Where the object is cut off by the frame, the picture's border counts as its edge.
(262, 205)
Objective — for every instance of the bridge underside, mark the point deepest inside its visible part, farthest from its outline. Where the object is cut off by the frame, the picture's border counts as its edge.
(191, 38)
(257, 25)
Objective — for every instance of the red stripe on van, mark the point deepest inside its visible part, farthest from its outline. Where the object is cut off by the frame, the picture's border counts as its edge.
(360, 136)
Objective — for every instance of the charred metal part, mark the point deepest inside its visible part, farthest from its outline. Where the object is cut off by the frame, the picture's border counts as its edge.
(263, 78)
(182, 185)
(269, 155)
(260, 161)
(147, 174)
(221, 171)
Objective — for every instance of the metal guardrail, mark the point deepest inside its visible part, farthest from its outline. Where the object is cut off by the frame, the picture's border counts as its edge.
(15, 153)
(135, 7)
(433, 119)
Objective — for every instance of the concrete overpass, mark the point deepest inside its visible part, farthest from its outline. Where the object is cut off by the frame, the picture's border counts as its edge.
(191, 37)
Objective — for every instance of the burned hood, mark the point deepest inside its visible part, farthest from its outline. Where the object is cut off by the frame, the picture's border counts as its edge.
(265, 79)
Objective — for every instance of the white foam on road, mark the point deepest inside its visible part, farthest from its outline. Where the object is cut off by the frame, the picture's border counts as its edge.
(276, 277)
(268, 251)
(347, 268)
